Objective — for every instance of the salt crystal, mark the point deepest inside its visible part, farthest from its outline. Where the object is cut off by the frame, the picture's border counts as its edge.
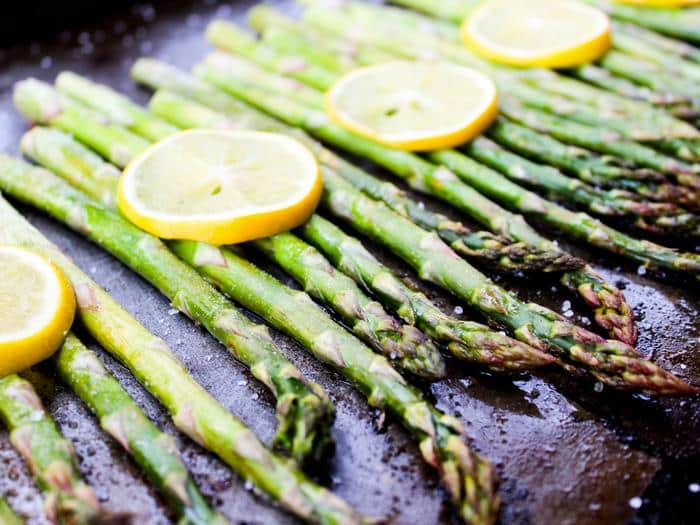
(694, 488)
(641, 270)
(459, 310)
(598, 387)
(636, 502)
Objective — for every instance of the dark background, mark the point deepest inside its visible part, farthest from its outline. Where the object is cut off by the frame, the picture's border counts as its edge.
(565, 454)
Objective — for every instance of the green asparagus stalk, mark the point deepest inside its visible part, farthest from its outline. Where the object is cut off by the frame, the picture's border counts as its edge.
(194, 411)
(688, 150)
(58, 151)
(466, 340)
(651, 40)
(411, 35)
(675, 22)
(600, 171)
(648, 74)
(69, 116)
(468, 477)
(406, 346)
(250, 84)
(603, 141)
(677, 105)
(7, 515)
(658, 218)
(120, 417)
(499, 250)
(634, 45)
(228, 37)
(303, 410)
(116, 107)
(50, 457)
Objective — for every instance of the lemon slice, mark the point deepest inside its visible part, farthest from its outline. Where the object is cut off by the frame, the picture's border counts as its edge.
(221, 187)
(537, 33)
(660, 3)
(37, 307)
(414, 106)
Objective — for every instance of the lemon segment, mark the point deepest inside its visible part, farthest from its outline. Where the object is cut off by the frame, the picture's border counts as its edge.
(660, 3)
(537, 33)
(37, 307)
(221, 187)
(414, 106)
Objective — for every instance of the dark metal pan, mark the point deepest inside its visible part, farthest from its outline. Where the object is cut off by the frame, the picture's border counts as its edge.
(566, 454)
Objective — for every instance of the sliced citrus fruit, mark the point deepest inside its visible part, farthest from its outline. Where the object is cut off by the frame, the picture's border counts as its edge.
(37, 307)
(414, 106)
(221, 187)
(660, 3)
(537, 33)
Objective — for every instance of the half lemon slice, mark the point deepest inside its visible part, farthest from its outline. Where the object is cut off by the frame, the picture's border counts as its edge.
(537, 33)
(37, 307)
(414, 106)
(221, 187)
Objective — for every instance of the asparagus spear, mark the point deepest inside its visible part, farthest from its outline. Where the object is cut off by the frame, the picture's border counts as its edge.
(51, 459)
(659, 43)
(116, 107)
(466, 340)
(412, 35)
(194, 411)
(603, 141)
(677, 105)
(304, 413)
(120, 417)
(634, 44)
(58, 151)
(676, 22)
(468, 477)
(601, 171)
(493, 249)
(41, 104)
(648, 74)
(250, 84)
(7, 515)
(654, 217)
(406, 345)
